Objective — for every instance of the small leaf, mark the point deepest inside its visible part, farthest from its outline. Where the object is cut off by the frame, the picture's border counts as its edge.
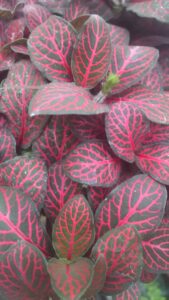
(58, 98)
(119, 36)
(74, 9)
(92, 163)
(154, 79)
(139, 201)
(147, 277)
(73, 230)
(70, 281)
(7, 145)
(50, 46)
(23, 273)
(92, 53)
(35, 15)
(132, 293)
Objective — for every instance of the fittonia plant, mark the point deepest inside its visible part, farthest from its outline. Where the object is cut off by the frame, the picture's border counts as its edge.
(84, 148)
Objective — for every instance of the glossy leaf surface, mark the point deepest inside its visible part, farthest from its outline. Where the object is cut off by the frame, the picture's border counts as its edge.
(50, 46)
(22, 82)
(56, 140)
(70, 281)
(125, 128)
(130, 60)
(20, 221)
(156, 249)
(26, 174)
(154, 160)
(23, 273)
(60, 189)
(92, 163)
(58, 98)
(73, 230)
(122, 251)
(139, 201)
(92, 53)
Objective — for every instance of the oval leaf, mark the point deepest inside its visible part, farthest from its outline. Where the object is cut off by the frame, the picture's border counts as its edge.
(60, 98)
(130, 60)
(139, 201)
(26, 174)
(7, 145)
(22, 82)
(73, 230)
(125, 129)
(122, 252)
(50, 46)
(70, 281)
(158, 133)
(118, 35)
(154, 79)
(60, 189)
(155, 250)
(96, 195)
(35, 15)
(154, 160)
(23, 272)
(92, 53)
(92, 163)
(74, 9)
(20, 221)
(132, 293)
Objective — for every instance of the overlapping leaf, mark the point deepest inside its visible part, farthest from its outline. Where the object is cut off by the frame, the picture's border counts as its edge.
(132, 293)
(6, 9)
(92, 53)
(157, 134)
(154, 79)
(151, 40)
(28, 174)
(164, 63)
(118, 35)
(96, 195)
(156, 249)
(22, 82)
(35, 15)
(127, 61)
(158, 9)
(23, 273)
(60, 189)
(7, 59)
(20, 221)
(50, 46)
(122, 251)
(7, 145)
(101, 8)
(154, 105)
(125, 128)
(70, 281)
(88, 127)
(92, 163)
(76, 8)
(14, 30)
(139, 201)
(147, 277)
(58, 98)
(154, 160)
(20, 47)
(56, 140)
(73, 230)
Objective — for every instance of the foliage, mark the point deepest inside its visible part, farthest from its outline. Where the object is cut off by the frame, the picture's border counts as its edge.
(84, 147)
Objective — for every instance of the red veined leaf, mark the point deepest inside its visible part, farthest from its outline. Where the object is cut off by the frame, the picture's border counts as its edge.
(35, 15)
(99, 277)
(60, 189)
(6, 9)
(122, 252)
(28, 174)
(7, 145)
(92, 163)
(56, 140)
(20, 85)
(130, 60)
(58, 98)
(21, 221)
(20, 47)
(7, 59)
(88, 127)
(125, 128)
(119, 36)
(79, 22)
(139, 201)
(3, 120)
(154, 105)
(154, 160)
(92, 53)
(15, 30)
(157, 134)
(132, 293)
(23, 272)
(55, 7)
(164, 63)
(73, 230)
(147, 277)
(96, 195)
(70, 281)
(158, 9)
(153, 79)
(76, 8)
(156, 249)
(50, 46)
